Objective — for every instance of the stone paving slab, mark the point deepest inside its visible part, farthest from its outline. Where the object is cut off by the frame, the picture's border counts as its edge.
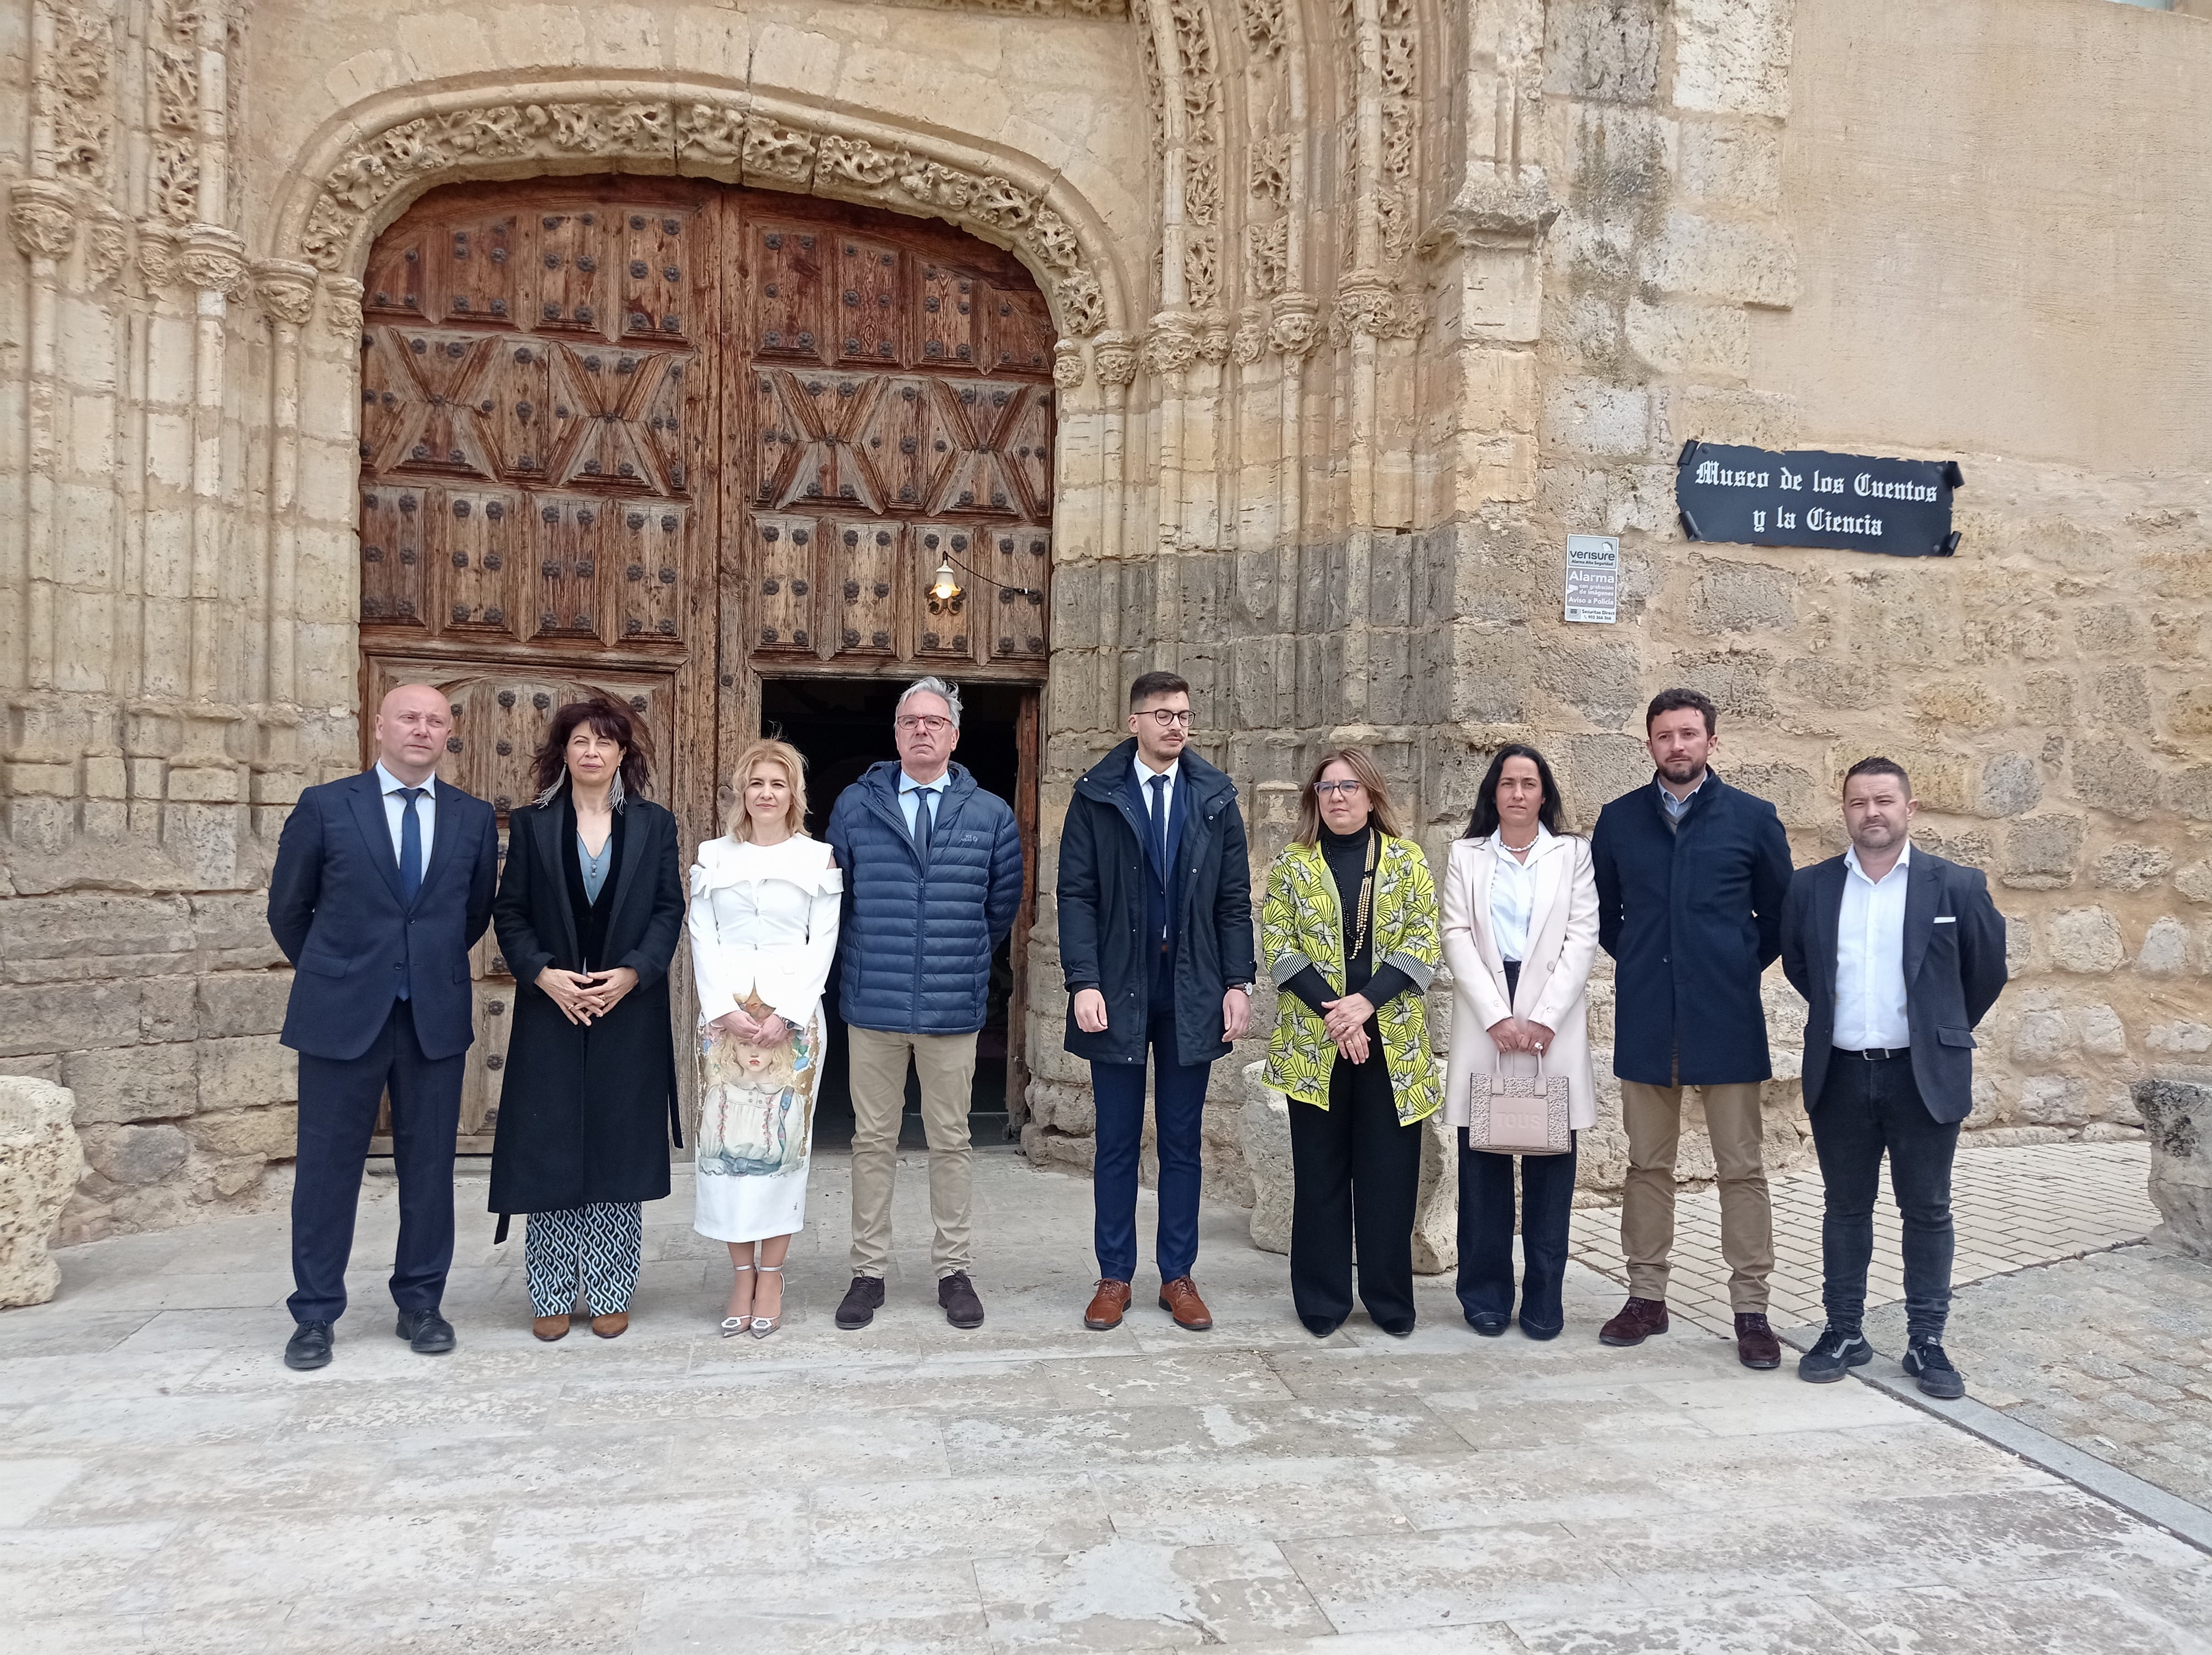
(165, 1484)
(2013, 1207)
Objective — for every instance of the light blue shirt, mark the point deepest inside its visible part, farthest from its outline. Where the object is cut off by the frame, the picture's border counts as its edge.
(395, 808)
(910, 791)
(1677, 808)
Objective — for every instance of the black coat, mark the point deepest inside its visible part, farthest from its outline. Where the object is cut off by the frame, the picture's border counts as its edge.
(1691, 916)
(1103, 876)
(586, 1111)
(1954, 969)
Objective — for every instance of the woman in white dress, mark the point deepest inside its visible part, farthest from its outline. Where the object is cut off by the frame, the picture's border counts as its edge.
(763, 922)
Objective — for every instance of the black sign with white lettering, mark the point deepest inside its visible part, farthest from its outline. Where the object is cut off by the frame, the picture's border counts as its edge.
(1757, 498)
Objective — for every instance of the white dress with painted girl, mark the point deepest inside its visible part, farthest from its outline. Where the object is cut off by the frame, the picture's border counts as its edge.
(763, 924)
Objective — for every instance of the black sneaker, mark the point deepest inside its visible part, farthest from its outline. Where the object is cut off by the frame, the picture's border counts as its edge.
(1832, 1356)
(1927, 1363)
(862, 1300)
(957, 1293)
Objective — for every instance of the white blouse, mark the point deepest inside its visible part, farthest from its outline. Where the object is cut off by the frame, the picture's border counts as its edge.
(763, 920)
(1513, 895)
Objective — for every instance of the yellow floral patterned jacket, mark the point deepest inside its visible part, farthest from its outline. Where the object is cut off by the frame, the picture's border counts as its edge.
(1301, 924)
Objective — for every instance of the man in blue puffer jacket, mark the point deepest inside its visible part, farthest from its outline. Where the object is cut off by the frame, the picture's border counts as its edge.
(932, 881)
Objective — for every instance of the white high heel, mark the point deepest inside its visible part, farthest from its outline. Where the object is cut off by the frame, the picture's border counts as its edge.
(764, 1325)
(734, 1325)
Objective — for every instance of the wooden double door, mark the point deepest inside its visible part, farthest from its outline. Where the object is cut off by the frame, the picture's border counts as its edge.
(661, 439)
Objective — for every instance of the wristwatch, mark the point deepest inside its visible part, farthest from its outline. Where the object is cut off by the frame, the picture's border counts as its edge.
(1241, 988)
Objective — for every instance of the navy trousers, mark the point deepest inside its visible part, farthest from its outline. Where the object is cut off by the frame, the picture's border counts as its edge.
(338, 1115)
(1486, 1233)
(1866, 1109)
(1179, 1115)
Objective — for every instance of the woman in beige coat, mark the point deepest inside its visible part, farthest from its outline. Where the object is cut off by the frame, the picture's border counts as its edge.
(1520, 934)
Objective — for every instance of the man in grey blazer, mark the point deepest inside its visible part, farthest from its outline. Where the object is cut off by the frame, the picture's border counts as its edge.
(1898, 954)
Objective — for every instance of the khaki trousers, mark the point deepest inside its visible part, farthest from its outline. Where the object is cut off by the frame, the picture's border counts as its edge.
(946, 1066)
(1653, 1116)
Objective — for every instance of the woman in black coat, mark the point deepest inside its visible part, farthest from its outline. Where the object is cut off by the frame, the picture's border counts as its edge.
(589, 911)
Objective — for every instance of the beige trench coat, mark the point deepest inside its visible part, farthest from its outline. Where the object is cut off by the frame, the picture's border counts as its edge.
(1561, 946)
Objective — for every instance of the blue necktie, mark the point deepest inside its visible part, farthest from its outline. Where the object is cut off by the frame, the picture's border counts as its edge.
(921, 823)
(411, 845)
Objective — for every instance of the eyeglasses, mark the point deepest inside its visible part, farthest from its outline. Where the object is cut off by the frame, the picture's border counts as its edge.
(927, 721)
(1168, 721)
(1337, 789)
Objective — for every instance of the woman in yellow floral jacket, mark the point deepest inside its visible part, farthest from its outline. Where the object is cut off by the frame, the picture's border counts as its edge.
(1350, 931)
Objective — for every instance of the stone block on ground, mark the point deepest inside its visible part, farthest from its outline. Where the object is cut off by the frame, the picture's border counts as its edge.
(40, 1162)
(2177, 1114)
(1266, 1123)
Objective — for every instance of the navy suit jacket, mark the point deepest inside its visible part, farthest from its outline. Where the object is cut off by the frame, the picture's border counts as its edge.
(1954, 969)
(335, 910)
(1691, 916)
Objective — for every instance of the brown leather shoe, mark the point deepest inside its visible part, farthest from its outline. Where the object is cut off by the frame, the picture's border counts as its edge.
(549, 1328)
(1179, 1297)
(1107, 1305)
(611, 1327)
(1755, 1343)
(1639, 1320)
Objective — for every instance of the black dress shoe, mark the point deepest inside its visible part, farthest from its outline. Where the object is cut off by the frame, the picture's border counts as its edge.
(426, 1333)
(309, 1346)
(1488, 1324)
(861, 1302)
(1552, 1332)
(956, 1296)
(1319, 1326)
(1398, 1329)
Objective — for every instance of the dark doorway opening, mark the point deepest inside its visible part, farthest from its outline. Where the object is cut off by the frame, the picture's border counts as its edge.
(842, 726)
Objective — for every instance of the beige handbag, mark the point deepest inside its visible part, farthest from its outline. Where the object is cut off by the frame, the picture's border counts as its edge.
(1519, 1114)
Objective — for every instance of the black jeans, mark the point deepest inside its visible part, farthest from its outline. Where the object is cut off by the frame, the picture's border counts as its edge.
(1486, 1233)
(1867, 1108)
(1353, 1169)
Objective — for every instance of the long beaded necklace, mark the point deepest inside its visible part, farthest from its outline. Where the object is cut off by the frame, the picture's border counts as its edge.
(1366, 898)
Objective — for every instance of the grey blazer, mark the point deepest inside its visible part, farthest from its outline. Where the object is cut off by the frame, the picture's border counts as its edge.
(1954, 969)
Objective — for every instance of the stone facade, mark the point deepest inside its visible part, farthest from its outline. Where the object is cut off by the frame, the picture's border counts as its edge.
(1363, 306)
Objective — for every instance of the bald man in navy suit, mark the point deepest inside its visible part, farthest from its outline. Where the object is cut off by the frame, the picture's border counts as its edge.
(383, 883)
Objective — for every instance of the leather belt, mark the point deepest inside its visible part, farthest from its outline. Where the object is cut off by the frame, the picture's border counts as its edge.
(1875, 1054)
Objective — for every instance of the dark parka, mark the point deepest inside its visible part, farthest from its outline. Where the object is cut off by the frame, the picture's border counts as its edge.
(1104, 874)
(914, 950)
(1691, 916)
(586, 1109)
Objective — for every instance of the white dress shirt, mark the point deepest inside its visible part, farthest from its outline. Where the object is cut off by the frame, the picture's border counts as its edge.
(395, 809)
(910, 791)
(1513, 895)
(1870, 959)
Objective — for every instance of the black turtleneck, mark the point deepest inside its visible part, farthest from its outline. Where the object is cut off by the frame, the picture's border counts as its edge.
(1346, 856)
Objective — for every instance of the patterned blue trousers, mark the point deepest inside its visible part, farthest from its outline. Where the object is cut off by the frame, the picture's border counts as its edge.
(591, 1252)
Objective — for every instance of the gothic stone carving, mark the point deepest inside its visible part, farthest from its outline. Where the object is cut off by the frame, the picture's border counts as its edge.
(1067, 370)
(286, 288)
(1117, 360)
(759, 148)
(214, 260)
(42, 218)
(74, 95)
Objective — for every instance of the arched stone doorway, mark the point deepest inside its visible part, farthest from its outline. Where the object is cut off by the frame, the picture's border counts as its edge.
(697, 448)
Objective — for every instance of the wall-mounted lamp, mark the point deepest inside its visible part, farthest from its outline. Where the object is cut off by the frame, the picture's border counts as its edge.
(945, 588)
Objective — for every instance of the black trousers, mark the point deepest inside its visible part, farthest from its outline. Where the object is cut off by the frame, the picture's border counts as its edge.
(1866, 1109)
(337, 1114)
(1355, 1172)
(1486, 1233)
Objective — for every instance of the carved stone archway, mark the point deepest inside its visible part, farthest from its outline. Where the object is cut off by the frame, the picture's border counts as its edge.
(368, 167)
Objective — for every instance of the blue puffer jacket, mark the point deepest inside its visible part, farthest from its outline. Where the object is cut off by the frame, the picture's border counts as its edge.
(915, 950)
